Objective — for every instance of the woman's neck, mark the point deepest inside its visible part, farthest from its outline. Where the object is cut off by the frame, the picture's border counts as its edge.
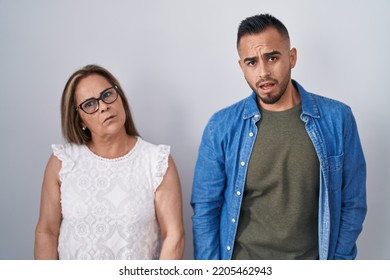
(113, 146)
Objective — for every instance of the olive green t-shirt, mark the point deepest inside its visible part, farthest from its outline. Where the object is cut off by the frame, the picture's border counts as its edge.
(279, 211)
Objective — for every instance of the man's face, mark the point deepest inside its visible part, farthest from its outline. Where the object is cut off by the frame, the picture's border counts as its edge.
(266, 61)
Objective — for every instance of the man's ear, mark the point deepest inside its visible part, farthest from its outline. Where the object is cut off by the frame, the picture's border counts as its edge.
(293, 57)
(240, 63)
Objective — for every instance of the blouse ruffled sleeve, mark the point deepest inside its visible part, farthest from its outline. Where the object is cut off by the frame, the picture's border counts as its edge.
(60, 152)
(162, 164)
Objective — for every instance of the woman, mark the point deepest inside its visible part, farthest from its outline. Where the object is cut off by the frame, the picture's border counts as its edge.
(107, 193)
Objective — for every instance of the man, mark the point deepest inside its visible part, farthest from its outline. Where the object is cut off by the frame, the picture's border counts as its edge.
(280, 174)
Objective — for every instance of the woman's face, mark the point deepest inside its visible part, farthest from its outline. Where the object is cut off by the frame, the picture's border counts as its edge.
(109, 119)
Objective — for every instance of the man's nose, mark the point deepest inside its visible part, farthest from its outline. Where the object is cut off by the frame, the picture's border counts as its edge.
(263, 69)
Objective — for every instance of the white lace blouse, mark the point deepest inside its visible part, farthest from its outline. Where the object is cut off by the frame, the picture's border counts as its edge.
(108, 204)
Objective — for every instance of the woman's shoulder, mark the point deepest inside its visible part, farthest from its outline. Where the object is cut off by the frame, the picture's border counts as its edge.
(66, 154)
(67, 149)
(157, 153)
(158, 157)
(147, 146)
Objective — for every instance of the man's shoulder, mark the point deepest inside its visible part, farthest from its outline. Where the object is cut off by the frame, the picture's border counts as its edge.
(331, 109)
(314, 103)
(234, 110)
(328, 102)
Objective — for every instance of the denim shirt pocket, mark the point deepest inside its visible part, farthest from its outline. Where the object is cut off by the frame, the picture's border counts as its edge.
(335, 172)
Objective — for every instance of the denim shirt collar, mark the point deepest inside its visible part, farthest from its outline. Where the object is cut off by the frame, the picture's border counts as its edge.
(250, 107)
(309, 105)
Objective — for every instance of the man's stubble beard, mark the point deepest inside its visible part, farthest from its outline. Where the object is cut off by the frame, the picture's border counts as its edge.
(272, 99)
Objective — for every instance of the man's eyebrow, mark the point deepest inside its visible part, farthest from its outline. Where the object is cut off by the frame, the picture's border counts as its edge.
(272, 53)
(253, 58)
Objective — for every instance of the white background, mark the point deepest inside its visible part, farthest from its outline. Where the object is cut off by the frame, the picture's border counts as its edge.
(177, 62)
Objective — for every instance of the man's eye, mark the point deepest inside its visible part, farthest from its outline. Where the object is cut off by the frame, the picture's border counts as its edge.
(272, 58)
(251, 63)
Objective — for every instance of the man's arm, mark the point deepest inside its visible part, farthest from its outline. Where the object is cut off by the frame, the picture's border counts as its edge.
(353, 198)
(207, 197)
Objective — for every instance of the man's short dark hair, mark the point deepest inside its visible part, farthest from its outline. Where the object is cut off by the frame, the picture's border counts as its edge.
(258, 23)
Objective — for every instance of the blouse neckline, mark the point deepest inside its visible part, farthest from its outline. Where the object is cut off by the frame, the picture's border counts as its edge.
(138, 139)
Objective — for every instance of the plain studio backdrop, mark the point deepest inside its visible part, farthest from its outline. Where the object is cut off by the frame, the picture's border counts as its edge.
(177, 63)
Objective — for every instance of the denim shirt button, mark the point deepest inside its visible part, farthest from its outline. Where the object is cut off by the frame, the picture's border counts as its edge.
(233, 220)
(242, 163)
(238, 193)
(251, 134)
(228, 248)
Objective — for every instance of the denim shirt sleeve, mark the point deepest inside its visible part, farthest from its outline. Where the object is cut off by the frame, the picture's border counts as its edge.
(207, 197)
(353, 192)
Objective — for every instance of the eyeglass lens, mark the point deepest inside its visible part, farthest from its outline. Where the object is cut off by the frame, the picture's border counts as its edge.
(92, 105)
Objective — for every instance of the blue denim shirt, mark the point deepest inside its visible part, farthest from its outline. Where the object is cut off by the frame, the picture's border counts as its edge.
(221, 168)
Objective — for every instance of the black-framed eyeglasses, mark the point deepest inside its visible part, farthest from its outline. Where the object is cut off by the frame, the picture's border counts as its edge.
(91, 105)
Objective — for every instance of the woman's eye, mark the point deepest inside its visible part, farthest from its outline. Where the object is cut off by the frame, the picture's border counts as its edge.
(106, 94)
(89, 104)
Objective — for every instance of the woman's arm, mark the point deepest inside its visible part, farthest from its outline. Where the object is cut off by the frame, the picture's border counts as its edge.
(168, 203)
(48, 227)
